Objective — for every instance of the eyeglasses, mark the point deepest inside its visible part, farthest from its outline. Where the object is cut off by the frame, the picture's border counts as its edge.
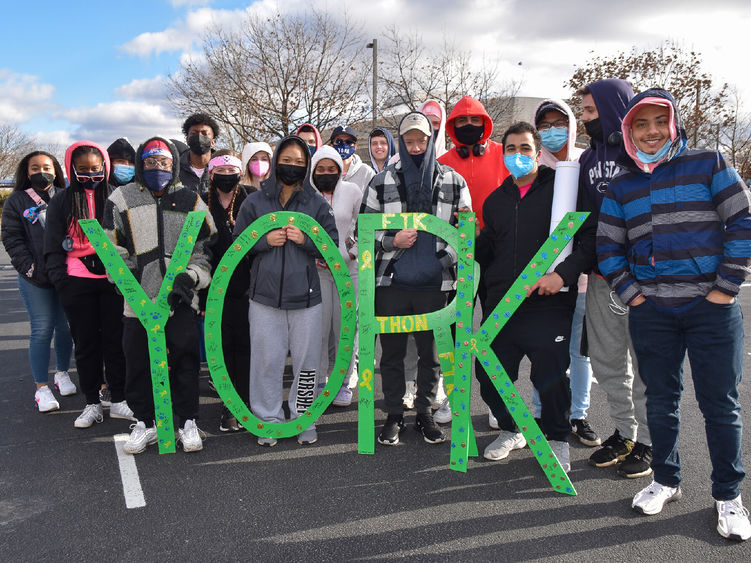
(340, 142)
(544, 126)
(163, 163)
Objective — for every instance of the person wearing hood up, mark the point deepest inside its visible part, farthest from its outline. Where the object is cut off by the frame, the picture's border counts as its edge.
(478, 159)
(256, 161)
(629, 448)
(201, 132)
(414, 270)
(380, 148)
(674, 241)
(144, 219)
(517, 221)
(123, 159)
(556, 124)
(285, 291)
(345, 199)
(93, 306)
(344, 140)
(437, 116)
(310, 134)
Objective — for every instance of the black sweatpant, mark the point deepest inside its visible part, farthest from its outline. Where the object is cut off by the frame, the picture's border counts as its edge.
(395, 301)
(236, 344)
(95, 311)
(543, 336)
(183, 359)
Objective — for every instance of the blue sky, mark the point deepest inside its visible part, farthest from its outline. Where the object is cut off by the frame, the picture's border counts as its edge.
(78, 69)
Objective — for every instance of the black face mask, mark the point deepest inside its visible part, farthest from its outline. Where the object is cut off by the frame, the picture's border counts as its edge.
(326, 182)
(469, 134)
(594, 129)
(225, 182)
(41, 180)
(290, 174)
(199, 144)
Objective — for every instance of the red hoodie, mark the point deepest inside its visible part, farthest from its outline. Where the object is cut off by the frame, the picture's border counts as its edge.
(483, 173)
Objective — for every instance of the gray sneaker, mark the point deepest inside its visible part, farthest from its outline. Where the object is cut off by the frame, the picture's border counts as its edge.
(308, 436)
(560, 449)
(268, 442)
(503, 444)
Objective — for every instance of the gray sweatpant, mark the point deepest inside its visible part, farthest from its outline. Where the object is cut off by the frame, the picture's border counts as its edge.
(273, 332)
(614, 362)
(330, 326)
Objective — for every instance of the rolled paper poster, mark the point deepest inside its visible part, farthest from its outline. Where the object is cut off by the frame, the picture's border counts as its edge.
(565, 192)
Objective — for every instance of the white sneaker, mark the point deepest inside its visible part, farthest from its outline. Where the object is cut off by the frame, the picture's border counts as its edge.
(651, 499)
(732, 519)
(409, 395)
(440, 394)
(190, 437)
(352, 379)
(493, 421)
(121, 410)
(503, 444)
(139, 438)
(561, 451)
(343, 397)
(443, 415)
(45, 400)
(64, 384)
(90, 415)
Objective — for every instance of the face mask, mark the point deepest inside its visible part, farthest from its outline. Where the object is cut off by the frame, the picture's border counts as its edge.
(594, 129)
(199, 144)
(345, 150)
(418, 159)
(258, 167)
(554, 138)
(123, 173)
(41, 180)
(312, 149)
(290, 174)
(156, 180)
(469, 134)
(519, 165)
(656, 157)
(326, 182)
(225, 182)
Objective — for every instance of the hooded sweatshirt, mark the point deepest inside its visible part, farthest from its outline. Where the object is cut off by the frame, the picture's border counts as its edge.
(251, 149)
(122, 149)
(433, 107)
(285, 277)
(359, 173)
(573, 152)
(81, 259)
(392, 147)
(145, 228)
(317, 133)
(483, 173)
(345, 201)
(675, 230)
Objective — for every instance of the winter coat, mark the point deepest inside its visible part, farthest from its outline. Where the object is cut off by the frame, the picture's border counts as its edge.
(145, 229)
(285, 276)
(189, 179)
(678, 232)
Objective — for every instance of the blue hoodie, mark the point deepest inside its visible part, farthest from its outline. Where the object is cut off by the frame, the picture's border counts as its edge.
(392, 147)
(599, 161)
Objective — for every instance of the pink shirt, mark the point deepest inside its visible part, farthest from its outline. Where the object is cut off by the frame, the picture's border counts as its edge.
(524, 189)
(82, 246)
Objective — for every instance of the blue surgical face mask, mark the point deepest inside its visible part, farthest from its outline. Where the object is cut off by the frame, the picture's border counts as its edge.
(518, 164)
(345, 150)
(656, 157)
(312, 149)
(123, 172)
(156, 180)
(554, 138)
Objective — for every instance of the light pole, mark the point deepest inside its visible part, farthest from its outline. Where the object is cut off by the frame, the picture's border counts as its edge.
(374, 46)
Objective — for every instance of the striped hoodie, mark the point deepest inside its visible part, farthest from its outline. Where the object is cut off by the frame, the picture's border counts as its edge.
(675, 230)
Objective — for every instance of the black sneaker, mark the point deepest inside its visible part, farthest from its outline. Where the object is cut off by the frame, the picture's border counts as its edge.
(430, 431)
(229, 422)
(637, 463)
(613, 450)
(581, 428)
(394, 426)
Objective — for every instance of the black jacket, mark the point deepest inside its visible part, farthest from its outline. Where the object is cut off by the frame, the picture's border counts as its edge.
(515, 229)
(189, 179)
(24, 241)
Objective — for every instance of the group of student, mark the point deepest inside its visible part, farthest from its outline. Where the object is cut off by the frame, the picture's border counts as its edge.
(656, 267)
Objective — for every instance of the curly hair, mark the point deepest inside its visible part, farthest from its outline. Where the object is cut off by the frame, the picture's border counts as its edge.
(200, 119)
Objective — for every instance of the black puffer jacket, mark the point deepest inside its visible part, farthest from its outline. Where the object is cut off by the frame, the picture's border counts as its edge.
(24, 241)
(514, 230)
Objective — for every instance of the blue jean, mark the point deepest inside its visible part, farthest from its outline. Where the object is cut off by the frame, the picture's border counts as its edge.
(713, 336)
(580, 370)
(46, 317)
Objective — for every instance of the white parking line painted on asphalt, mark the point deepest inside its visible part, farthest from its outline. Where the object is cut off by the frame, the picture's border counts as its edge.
(132, 490)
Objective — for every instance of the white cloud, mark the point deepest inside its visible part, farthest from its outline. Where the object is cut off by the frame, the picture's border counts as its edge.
(22, 95)
(152, 90)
